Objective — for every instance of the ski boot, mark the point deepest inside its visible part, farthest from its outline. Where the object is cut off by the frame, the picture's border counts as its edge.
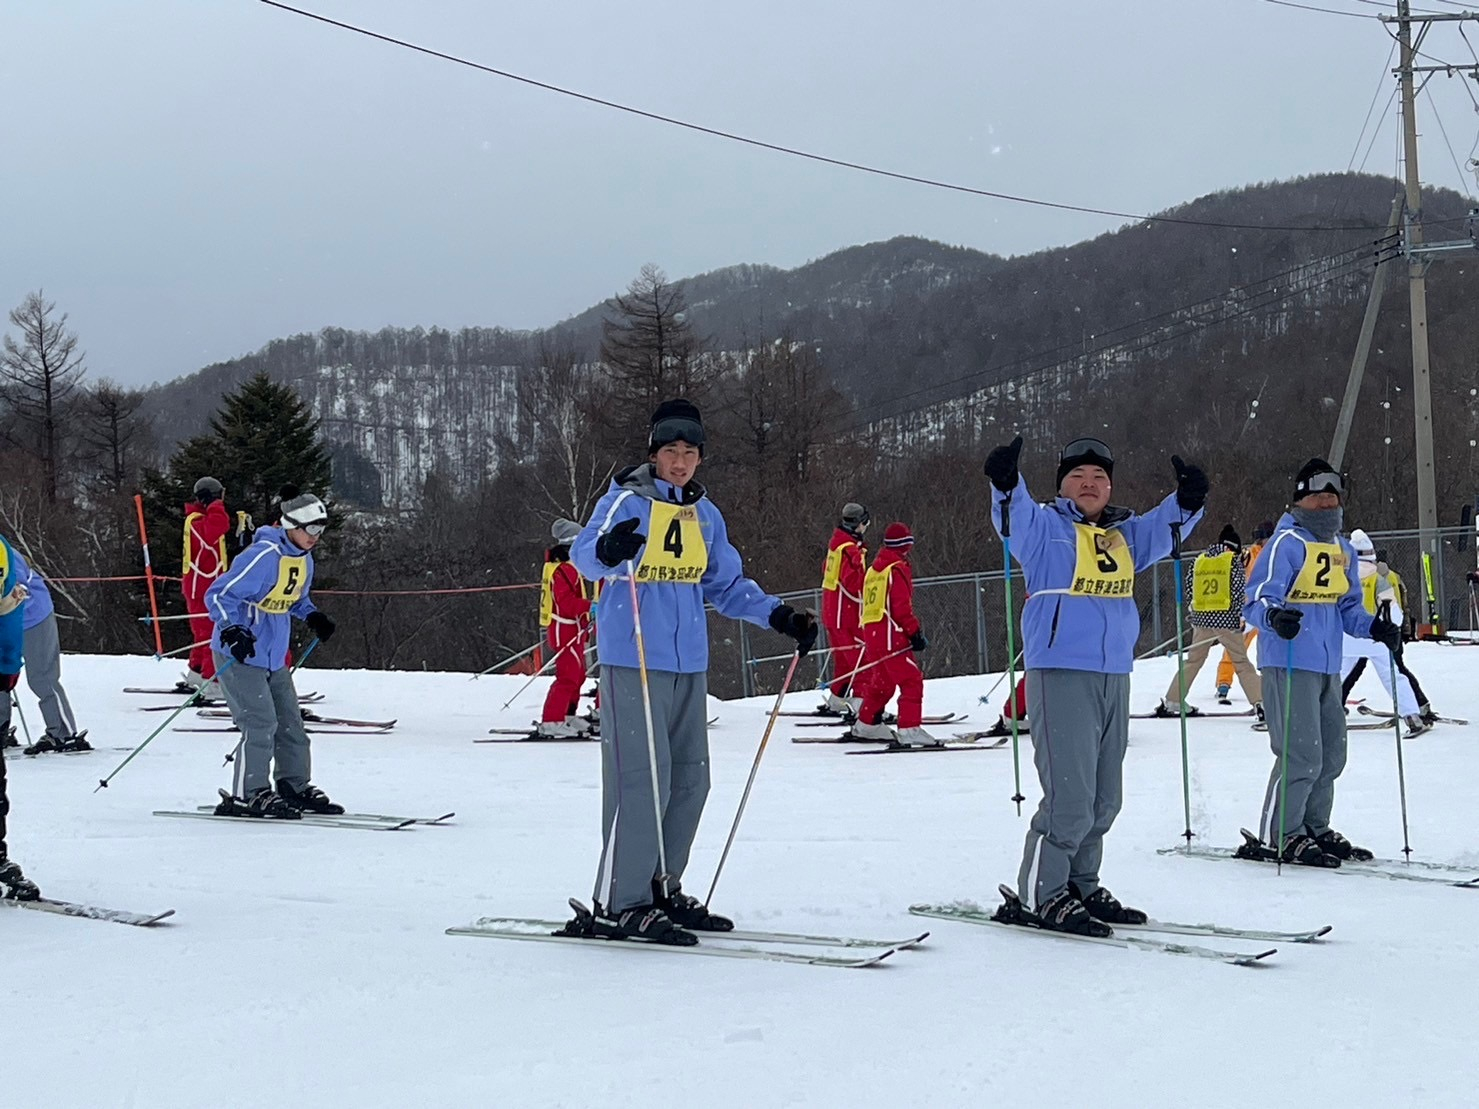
(14, 884)
(1428, 715)
(836, 706)
(189, 682)
(309, 799)
(10, 740)
(1258, 712)
(1416, 725)
(1223, 692)
(1254, 849)
(1170, 710)
(1333, 843)
(917, 737)
(555, 729)
(1060, 913)
(689, 912)
(1303, 850)
(872, 733)
(1103, 905)
(263, 804)
(578, 725)
(62, 745)
(643, 923)
(1000, 728)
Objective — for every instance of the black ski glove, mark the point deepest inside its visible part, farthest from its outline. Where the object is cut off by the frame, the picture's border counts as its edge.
(1386, 633)
(320, 624)
(239, 641)
(1285, 621)
(1001, 465)
(918, 642)
(800, 626)
(1191, 485)
(620, 544)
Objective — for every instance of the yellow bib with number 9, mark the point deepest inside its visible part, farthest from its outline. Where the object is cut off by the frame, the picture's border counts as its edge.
(675, 550)
(1211, 583)
(291, 573)
(1104, 567)
(1322, 579)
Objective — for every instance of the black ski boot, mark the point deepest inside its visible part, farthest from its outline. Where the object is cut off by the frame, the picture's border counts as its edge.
(1254, 849)
(1164, 711)
(643, 923)
(1303, 850)
(689, 912)
(308, 799)
(1000, 728)
(1333, 843)
(10, 740)
(1063, 913)
(14, 884)
(1103, 905)
(263, 804)
(62, 745)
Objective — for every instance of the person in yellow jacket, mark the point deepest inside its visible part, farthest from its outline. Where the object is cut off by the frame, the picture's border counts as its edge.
(1225, 667)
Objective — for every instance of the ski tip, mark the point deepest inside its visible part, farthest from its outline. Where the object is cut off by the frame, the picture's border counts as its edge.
(1257, 958)
(157, 918)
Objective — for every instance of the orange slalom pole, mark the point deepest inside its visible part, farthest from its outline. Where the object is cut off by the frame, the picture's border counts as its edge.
(149, 576)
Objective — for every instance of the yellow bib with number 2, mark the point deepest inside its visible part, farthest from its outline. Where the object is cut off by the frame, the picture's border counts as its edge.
(1322, 579)
(675, 550)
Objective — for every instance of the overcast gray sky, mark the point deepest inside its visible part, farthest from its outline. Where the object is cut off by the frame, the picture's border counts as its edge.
(192, 178)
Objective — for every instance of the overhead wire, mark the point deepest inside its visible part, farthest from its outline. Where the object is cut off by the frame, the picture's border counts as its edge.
(1463, 186)
(795, 152)
(1313, 8)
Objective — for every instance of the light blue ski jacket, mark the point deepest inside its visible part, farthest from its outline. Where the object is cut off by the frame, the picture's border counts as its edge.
(39, 604)
(675, 630)
(1067, 632)
(1317, 647)
(265, 587)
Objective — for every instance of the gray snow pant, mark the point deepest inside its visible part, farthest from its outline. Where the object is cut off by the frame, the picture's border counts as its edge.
(1080, 729)
(1317, 749)
(629, 852)
(43, 653)
(265, 707)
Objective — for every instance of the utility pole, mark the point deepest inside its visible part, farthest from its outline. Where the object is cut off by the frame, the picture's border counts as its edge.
(1417, 265)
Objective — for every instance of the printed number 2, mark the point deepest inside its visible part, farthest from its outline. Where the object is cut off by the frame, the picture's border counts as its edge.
(1322, 575)
(672, 542)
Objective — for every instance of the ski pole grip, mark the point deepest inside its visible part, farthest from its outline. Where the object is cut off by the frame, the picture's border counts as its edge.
(1006, 517)
(1176, 541)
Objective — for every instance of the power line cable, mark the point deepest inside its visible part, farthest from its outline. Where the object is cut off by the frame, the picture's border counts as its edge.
(795, 152)
(1312, 8)
(1463, 187)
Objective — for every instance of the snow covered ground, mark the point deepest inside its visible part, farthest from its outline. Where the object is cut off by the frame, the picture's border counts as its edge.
(309, 966)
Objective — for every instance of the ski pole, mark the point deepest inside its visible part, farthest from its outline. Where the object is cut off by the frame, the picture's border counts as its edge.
(308, 650)
(1181, 675)
(868, 666)
(1397, 731)
(163, 619)
(16, 703)
(775, 713)
(1157, 649)
(1284, 759)
(985, 698)
(529, 650)
(184, 650)
(1006, 555)
(663, 876)
(103, 782)
(548, 663)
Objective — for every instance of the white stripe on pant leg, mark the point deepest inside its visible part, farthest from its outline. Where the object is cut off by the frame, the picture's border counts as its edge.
(607, 876)
(1029, 895)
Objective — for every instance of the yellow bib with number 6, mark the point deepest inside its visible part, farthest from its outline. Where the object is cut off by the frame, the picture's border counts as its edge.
(1322, 579)
(291, 573)
(675, 550)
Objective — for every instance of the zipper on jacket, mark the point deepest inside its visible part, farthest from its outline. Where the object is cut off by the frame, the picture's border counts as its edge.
(1057, 611)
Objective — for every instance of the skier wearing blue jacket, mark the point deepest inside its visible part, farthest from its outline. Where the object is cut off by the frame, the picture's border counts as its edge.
(1304, 589)
(43, 656)
(1079, 554)
(13, 593)
(657, 523)
(252, 605)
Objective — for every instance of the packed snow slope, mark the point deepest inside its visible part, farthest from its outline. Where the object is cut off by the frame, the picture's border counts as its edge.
(309, 965)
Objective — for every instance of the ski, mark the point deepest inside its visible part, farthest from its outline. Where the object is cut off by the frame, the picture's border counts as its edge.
(947, 718)
(309, 717)
(1190, 716)
(308, 698)
(969, 913)
(800, 939)
(845, 737)
(381, 818)
(997, 740)
(1394, 869)
(232, 730)
(1377, 725)
(1388, 717)
(19, 752)
(90, 912)
(901, 749)
(528, 735)
(312, 820)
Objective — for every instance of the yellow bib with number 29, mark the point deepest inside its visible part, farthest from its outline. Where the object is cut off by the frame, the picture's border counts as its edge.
(1211, 583)
(1322, 579)
(1104, 567)
(675, 550)
(291, 573)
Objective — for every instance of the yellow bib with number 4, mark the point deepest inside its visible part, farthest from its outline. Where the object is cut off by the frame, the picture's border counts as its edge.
(291, 574)
(1322, 579)
(1211, 583)
(675, 550)
(1104, 567)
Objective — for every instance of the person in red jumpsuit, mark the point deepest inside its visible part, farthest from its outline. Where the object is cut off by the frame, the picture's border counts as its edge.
(891, 635)
(202, 561)
(564, 610)
(842, 598)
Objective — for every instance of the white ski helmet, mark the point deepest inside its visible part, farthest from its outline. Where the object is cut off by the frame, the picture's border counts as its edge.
(307, 512)
(1363, 545)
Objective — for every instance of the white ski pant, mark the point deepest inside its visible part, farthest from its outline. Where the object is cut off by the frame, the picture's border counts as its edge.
(43, 654)
(265, 707)
(1317, 751)
(1080, 729)
(630, 824)
(1381, 661)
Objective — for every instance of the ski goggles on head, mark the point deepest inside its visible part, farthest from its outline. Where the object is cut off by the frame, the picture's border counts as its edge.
(1083, 448)
(1322, 483)
(676, 428)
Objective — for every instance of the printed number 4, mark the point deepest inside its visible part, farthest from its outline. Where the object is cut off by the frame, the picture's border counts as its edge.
(672, 542)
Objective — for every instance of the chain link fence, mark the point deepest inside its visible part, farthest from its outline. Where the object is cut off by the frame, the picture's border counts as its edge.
(963, 616)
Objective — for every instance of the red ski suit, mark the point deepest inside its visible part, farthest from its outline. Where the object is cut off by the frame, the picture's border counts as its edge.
(888, 623)
(842, 600)
(565, 613)
(202, 561)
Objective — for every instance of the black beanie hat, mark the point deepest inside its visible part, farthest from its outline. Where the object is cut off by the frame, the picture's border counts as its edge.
(1085, 452)
(675, 420)
(1229, 537)
(1312, 468)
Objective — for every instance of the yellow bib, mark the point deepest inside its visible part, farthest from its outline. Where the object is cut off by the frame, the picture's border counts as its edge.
(547, 594)
(875, 593)
(832, 574)
(1104, 567)
(187, 563)
(675, 549)
(1322, 579)
(291, 573)
(1211, 583)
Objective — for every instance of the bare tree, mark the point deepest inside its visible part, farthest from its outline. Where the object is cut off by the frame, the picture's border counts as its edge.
(109, 427)
(650, 351)
(39, 373)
